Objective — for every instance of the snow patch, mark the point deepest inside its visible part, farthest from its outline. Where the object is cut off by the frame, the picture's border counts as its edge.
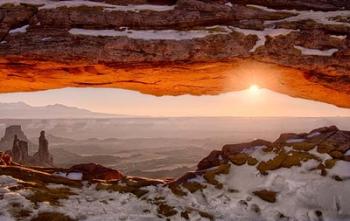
(262, 8)
(317, 52)
(229, 4)
(341, 37)
(259, 154)
(138, 8)
(72, 175)
(322, 156)
(341, 168)
(47, 4)
(322, 17)
(347, 153)
(46, 39)
(295, 140)
(314, 134)
(7, 180)
(151, 34)
(262, 34)
(18, 2)
(22, 29)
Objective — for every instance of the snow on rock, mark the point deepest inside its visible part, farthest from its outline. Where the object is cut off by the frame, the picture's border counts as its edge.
(151, 34)
(259, 154)
(322, 156)
(7, 180)
(137, 8)
(347, 153)
(46, 39)
(302, 194)
(322, 17)
(297, 140)
(22, 29)
(18, 2)
(109, 7)
(262, 34)
(9, 198)
(72, 175)
(314, 134)
(317, 52)
(229, 4)
(341, 169)
(47, 4)
(296, 185)
(341, 37)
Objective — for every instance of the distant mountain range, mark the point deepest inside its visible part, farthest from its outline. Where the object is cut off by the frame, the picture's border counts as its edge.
(21, 110)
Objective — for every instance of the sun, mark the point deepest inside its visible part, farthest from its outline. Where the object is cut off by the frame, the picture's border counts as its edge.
(254, 89)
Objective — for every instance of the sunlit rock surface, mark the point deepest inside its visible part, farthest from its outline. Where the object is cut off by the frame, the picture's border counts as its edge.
(301, 177)
(179, 47)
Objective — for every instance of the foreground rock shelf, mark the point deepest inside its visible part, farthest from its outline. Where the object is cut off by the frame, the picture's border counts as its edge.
(187, 47)
(297, 177)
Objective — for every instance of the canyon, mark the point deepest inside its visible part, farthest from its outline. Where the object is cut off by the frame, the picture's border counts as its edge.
(288, 179)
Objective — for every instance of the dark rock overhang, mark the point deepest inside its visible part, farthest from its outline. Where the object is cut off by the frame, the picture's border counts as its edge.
(191, 47)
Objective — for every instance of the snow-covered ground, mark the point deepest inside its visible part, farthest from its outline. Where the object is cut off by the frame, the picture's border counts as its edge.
(302, 194)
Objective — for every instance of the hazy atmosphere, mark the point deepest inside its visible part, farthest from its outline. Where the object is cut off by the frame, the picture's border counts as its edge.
(253, 101)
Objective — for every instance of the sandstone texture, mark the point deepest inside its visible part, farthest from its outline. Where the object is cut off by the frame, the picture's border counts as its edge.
(299, 48)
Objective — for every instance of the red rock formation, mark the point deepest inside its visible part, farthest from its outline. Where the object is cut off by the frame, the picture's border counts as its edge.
(43, 156)
(243, 45)
(92, 171)
(5, 159)
(213, 159)
(7, 140)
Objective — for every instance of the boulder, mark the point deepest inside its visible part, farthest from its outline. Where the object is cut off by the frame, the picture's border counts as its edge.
(212, 160)
(231, 149)
(266, 195)
(92, 171)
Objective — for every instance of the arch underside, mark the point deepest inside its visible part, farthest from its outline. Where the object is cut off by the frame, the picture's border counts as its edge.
(192, 47)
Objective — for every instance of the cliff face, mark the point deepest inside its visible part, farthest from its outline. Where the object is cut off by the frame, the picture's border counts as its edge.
(16, 145)
(6, 142)
(182, 47)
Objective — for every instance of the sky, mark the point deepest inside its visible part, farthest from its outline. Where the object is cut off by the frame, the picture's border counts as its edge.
(252, 102)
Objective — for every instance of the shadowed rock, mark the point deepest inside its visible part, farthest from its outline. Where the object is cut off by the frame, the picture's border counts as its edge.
(43, 156)
(214, 47)
(7, 141)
